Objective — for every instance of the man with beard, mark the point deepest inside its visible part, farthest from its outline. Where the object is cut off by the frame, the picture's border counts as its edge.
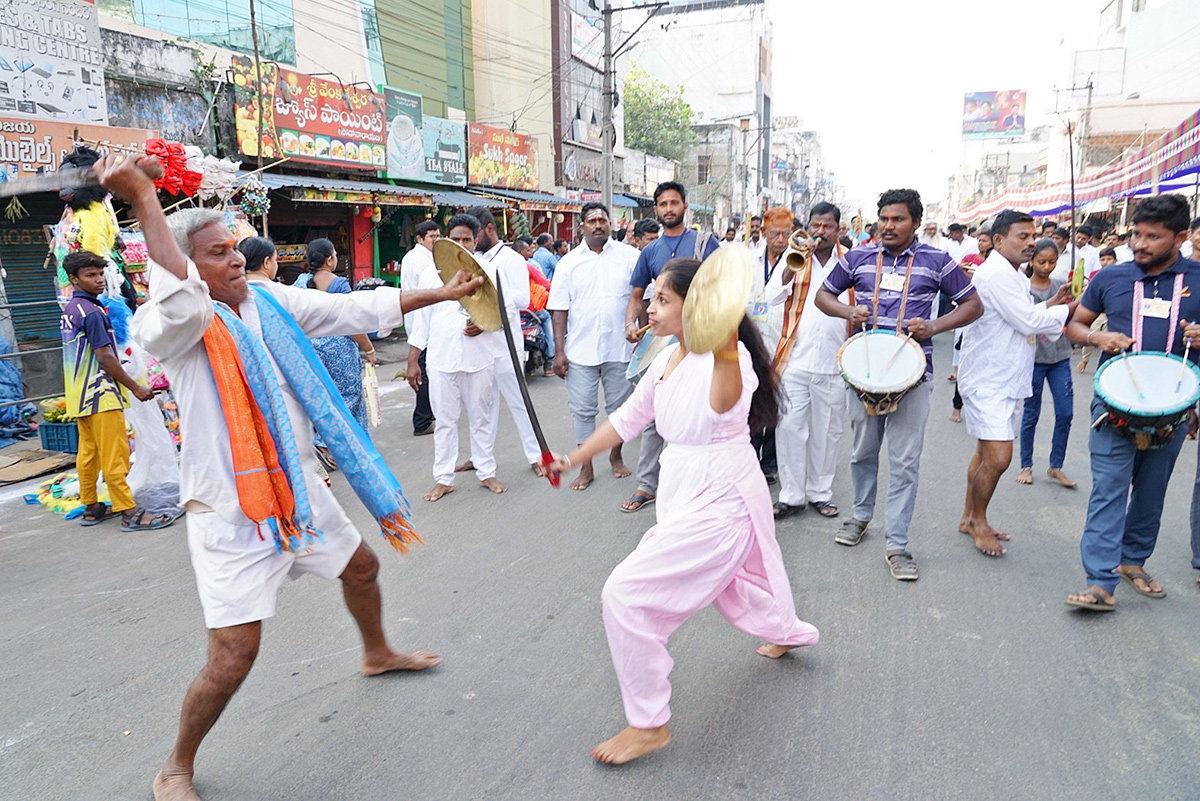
(996, 372)
(676, 241)
(509, 269)
(1152, 305)
(900, 274)
(931, 236)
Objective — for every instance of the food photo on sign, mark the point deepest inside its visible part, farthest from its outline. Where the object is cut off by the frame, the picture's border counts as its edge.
(502, 158)
(308, 119)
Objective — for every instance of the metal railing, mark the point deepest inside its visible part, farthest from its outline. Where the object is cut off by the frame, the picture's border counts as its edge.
(17, 354)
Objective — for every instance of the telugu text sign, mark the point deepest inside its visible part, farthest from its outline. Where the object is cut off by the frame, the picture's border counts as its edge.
(994, 113)
(51, 63)
(308, 119)
(27, 146)
(502, 158)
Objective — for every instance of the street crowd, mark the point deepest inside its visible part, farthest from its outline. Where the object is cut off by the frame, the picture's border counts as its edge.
(270, 370)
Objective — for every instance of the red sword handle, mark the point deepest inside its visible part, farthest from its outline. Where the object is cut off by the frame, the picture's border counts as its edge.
(553, 476)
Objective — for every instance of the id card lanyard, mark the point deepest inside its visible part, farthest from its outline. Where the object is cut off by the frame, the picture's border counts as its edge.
(903, 293)
(1139, 302)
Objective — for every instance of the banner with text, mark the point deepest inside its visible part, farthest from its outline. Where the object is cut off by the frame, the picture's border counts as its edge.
(27, 146)
(420, 147)
(51, 64)
(309, 119)
(502, 158)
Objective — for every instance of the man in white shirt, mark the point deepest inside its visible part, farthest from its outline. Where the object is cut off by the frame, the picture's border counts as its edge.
(413, 266)
(511, 272)
(931, 235)
(806, 360)
(1085, 253)
(588, 300)
(194, 264)
(996, 372)
(462, 364)
(958, 244)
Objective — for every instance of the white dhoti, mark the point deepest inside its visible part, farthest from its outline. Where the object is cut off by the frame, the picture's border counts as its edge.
(807, 435)
(449, 394)
(510, 390)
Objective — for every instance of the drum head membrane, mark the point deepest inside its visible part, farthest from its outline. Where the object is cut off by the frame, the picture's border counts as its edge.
(1156, 376)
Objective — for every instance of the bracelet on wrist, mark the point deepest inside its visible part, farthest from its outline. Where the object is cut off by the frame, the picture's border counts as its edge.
(1089, 337)
(725, 355)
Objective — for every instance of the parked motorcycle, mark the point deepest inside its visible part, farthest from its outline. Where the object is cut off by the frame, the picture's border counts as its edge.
(536, 346)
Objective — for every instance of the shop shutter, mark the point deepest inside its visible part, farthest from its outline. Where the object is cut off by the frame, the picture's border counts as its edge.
(23, 251)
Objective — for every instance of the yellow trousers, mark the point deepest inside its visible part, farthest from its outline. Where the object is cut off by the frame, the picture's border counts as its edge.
(103, 446)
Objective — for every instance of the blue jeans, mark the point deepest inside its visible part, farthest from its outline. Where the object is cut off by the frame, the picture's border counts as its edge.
(547, 322)
(1061, 389)
(1126, 502)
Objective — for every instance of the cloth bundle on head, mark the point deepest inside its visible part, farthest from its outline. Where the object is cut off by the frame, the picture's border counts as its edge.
(266, 462)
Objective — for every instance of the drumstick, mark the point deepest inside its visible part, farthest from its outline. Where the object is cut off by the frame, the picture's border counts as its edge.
(1132, 378)
(895, 355)
(1183, 367)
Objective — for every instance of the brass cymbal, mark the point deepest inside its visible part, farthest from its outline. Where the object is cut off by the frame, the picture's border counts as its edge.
(716, 301)
(483, 304)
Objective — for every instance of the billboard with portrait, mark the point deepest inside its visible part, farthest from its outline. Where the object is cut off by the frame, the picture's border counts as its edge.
(999, 113)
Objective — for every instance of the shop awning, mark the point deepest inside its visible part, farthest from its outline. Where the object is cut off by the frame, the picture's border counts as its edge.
(622, 201)
(529, 201)
(641, 200)
(466, 200)
(314, 189)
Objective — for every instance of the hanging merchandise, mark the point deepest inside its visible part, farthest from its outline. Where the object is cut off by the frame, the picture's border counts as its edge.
(176, 178)
(255, 202)
(218, 176)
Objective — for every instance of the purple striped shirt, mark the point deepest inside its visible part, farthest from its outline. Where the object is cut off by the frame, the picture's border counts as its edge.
(933, 272)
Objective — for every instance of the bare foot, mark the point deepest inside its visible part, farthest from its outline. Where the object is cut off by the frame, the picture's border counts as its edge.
(586, 477)
(397, 660)
(1082, 366)
(1058, 475)
(987, 540)
(619, 469)
(1025, 476)
(438, 491)
(631, 744)
(494, 485)
(465, 467)
(773, 651)
(964, 525)
(539, 469)
(174, 786)
(956, 416)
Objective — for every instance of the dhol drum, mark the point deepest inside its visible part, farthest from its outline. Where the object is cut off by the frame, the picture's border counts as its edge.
(1147, 395)
(881, 368)
(648, 347)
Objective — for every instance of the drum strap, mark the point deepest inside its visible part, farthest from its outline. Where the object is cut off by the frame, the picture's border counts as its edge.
(903, 293)
(793, 308)
(1139, 298)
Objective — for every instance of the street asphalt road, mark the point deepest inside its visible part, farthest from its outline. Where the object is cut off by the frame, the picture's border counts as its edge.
(975, 682)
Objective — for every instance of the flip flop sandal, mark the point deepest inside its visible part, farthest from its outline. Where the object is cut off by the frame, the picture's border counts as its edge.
(95, 518)
(1131, 578)
(637, 501)
(132, 522)
(1099, 605)
(825, 508)
(782, 510)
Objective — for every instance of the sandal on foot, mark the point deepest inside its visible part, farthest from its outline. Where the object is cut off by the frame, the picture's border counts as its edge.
(636, 501)
(1133, 576)
(825, 508)
(851, 533)
(133, 521)
(782, 510)
(902, 566)
(1098, 604)
(96, 513)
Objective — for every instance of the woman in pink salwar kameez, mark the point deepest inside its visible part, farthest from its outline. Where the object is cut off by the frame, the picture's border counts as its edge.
(714, 540)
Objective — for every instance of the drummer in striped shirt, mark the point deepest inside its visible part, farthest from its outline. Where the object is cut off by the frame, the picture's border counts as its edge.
(1153, 304)
(897, 277)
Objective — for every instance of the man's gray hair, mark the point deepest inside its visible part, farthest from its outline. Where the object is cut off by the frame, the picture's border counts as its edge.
(186, 222)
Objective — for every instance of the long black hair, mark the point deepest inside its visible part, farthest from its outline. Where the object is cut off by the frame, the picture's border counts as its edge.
(764, 405)
(256, 249)
(319, 251)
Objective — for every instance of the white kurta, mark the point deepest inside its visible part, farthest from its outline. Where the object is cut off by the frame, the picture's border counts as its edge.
(511, 270)
(593, 289)
(814, 408)
(414, 267)
(1064, 270)
(998, 348)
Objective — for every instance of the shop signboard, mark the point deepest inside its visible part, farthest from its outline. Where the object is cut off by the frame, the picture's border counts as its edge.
(308, 119)
(420, 147)
(502, 158)
(51, 62)
(27, 146)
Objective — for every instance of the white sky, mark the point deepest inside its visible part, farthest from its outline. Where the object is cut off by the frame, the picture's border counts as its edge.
(882, 82)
